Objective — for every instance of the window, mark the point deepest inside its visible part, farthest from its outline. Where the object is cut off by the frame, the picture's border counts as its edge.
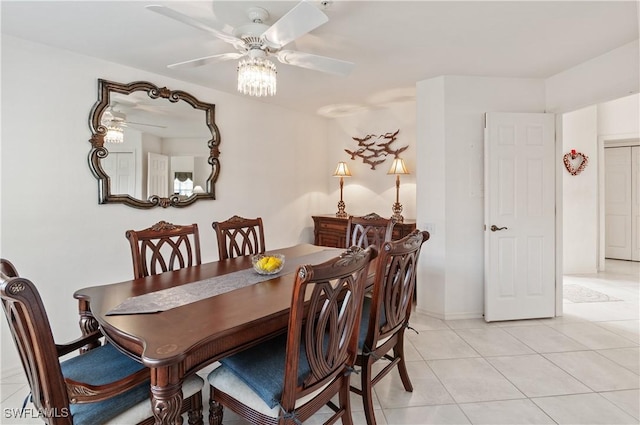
(183, 183)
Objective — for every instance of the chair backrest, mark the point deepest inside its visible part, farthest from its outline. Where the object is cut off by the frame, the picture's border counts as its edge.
(7, 268)
(395, 281)
(325, 312)
(239, 236)
(370, 229)
(163, 247)
(29, 325)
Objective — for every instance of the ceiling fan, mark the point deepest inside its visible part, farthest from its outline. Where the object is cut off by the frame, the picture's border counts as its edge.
(113, 117)
(116, 121)
(258, 40)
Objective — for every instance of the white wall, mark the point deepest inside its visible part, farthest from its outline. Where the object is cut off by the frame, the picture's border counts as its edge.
(373, 190)
(610, 76)
(52, 227)
(580, 201)
(431, 206)
(619, 117)
(450, 138)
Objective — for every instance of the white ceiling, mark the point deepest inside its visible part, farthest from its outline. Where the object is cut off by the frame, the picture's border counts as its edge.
(394, 44)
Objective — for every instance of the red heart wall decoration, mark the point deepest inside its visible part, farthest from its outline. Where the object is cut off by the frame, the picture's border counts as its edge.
(575, 162)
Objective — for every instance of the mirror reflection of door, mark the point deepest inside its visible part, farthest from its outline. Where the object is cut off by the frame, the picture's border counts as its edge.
(158, 174)
(120, 166)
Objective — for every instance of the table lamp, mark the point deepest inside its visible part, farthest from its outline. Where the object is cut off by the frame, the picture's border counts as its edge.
(342, 171)
(397, 168)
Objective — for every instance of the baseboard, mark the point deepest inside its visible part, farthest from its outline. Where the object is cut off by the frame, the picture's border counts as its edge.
(450, 316)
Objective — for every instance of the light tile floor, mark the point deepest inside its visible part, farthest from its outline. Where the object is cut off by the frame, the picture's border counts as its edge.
(581, 368)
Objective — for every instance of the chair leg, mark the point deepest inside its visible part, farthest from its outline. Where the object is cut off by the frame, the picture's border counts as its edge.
(367, 390)
(195, 412)
(398, 351)
(345, 401)
(215, 411)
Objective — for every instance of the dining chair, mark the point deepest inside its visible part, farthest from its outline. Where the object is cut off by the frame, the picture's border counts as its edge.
(288, 378)
(239, 236)
(163, 247)
(385, 316)
(369, 229)
(102, 386)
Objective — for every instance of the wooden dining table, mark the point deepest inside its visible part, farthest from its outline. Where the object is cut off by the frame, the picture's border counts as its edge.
(182, 340)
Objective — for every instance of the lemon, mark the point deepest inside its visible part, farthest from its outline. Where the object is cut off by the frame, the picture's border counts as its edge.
(269, 263)
(262, 263)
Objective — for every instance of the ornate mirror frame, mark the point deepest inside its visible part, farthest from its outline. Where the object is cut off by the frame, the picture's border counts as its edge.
(99, 151)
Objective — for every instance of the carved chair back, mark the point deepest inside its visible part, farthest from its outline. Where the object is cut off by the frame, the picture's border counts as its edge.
(394, 286)
(327, 322)
(239, 236)
(163, 247)
(29, 325)
(370, 229)
(386, 315)
(312, 361)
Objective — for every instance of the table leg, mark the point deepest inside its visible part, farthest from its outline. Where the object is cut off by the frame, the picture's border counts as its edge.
(88, 324)
(166, 397)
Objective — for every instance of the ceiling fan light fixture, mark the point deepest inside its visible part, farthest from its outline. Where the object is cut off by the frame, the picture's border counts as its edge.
(257, 77)
(115, 134)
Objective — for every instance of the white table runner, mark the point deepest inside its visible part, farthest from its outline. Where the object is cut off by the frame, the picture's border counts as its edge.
(166, 299)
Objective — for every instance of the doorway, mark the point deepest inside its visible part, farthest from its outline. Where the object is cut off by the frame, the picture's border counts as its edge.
(589, 130)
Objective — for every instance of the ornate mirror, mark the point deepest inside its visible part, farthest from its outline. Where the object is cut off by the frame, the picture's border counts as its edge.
(152, 146)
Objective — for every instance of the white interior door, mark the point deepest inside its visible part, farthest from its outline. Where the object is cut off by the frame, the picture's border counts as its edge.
(520, 257)
(120, 167)
(158, 175)
(617, 207)
(622, 172)
(635, 203)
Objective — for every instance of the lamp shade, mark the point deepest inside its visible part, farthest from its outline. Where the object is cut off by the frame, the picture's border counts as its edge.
(342, 170)
(398, 167)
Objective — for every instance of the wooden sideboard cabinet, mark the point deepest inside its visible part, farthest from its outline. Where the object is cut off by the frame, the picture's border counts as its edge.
(329, 230)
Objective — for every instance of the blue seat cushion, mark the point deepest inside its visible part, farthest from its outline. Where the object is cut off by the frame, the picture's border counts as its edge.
(101, 366)
(262, 368)
(364, 321)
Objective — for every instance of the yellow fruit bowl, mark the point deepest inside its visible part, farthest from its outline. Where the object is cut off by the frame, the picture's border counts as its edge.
(268, 263)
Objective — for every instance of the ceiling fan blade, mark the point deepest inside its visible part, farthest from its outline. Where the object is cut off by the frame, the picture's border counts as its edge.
(147, 125)
(315, 62)
(223, 34)
(193, 63)
(304, 17)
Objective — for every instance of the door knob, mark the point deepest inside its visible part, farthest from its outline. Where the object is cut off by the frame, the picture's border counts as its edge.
(495, 228)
